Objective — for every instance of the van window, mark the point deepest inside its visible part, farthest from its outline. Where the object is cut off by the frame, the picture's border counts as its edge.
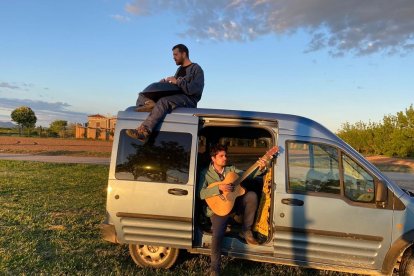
(313, 167)
(359, 185)
(245, 144)
(164, 158)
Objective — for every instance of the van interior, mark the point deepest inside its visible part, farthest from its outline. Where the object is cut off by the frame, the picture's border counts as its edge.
(245, 144)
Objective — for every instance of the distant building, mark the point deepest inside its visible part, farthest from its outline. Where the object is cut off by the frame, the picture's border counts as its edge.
(98, 127)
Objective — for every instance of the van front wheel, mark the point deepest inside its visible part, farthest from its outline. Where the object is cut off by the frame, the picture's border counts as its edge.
(153, 256)
(407, 263)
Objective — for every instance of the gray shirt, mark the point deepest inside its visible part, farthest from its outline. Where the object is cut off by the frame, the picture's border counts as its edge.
(193, 82)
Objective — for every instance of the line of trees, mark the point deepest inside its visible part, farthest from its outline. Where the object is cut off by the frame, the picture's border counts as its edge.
(26, 119)
(394, 136)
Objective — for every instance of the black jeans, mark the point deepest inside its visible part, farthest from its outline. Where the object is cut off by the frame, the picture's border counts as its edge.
(245, 205)
(163, 106)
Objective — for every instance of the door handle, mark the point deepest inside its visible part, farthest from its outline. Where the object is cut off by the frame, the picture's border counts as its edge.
(178, 192)
(292, 201)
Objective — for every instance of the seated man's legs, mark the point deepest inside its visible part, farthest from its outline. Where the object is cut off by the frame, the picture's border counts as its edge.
(219, 224)
(163, 106)
(144, 104)
(247, 205)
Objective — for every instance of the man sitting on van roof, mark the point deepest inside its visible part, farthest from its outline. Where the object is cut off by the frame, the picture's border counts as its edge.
(189, 78)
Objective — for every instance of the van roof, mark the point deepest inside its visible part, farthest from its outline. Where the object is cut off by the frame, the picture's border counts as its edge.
(286, 123)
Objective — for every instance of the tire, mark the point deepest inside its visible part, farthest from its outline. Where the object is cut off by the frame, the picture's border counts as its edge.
(153, 256)
(407, 263)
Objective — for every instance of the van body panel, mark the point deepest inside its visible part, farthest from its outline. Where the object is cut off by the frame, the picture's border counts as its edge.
(153, 212)
(326, 228)
(330, 231)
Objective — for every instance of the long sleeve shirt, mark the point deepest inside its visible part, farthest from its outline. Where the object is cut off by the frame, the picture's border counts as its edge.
(193, 82)
(209, 176)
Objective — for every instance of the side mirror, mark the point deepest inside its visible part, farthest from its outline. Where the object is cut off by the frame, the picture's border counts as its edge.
(381, 195)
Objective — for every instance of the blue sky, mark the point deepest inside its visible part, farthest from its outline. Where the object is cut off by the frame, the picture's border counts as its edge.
(332, 61)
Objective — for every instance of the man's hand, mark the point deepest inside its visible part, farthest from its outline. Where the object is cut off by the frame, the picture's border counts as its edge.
(262, 164)
(171, 80)
(226, 187)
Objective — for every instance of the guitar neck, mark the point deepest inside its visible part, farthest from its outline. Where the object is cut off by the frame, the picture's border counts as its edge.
(247, 173)
(268, 155)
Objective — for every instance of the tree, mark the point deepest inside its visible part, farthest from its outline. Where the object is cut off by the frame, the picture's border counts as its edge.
(58, 127)
(24, 117)
(393, 137)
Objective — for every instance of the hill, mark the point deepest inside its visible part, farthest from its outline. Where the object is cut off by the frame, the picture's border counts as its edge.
(7, 124)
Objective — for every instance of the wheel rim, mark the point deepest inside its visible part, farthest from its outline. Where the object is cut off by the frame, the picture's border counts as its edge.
(153, 254)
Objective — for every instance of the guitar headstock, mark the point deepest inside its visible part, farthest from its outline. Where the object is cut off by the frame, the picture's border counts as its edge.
(271, 153)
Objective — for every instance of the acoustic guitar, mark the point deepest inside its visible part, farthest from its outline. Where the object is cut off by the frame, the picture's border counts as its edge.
(223, 203)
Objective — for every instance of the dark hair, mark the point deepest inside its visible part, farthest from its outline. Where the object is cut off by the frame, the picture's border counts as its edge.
(182, 48)
(216, 148)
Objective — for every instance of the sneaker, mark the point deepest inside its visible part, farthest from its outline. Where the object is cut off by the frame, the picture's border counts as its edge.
(141, 133)
(147, 107)
(249, 238)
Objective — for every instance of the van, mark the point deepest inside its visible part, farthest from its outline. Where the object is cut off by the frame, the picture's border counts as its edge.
(322, 204)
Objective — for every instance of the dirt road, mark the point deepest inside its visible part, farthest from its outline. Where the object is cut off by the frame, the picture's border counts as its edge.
(55, 159)
(52, 145)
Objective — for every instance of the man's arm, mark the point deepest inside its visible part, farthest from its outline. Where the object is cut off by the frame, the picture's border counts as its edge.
(204, 191)
(193, 83)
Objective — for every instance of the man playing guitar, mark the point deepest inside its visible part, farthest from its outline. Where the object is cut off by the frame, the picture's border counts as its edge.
(246, 205)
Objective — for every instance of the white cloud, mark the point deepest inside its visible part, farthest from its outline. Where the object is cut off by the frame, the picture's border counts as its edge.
(8, 85)
(46, 112)
(359, 27)
(139, 7)
(120, 18)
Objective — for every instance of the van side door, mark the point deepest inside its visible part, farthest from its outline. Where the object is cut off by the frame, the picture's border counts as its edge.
(151, 185)
(327, 213)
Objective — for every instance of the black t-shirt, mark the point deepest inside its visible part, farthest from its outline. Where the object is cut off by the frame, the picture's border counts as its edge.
(182, 71)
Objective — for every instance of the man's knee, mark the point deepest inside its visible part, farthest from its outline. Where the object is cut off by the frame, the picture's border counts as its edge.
(163, 106)
(141, 99)
(165, 103)
(250, 198)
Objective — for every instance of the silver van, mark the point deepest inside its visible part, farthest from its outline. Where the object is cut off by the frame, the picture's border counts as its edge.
(322, 205)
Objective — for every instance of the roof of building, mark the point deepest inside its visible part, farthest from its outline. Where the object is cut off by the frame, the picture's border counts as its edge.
(97, 116)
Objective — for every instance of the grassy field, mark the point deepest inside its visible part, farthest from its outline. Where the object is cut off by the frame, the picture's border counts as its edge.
(49, 218)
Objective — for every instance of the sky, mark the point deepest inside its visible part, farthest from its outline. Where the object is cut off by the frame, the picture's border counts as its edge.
(331, 61)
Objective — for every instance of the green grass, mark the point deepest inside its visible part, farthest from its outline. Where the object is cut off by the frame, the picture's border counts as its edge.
(49, 219)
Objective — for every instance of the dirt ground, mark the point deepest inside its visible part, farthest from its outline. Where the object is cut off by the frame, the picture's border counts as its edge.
(383, 161)
(53, 145)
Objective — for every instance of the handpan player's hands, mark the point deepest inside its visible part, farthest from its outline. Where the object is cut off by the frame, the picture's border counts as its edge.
(171, 80)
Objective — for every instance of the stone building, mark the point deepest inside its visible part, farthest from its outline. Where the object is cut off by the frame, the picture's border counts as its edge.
(98, 127)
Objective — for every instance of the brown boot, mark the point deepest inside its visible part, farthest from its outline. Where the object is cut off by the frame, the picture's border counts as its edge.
(141, 133)
(249, 238)
(147, 107)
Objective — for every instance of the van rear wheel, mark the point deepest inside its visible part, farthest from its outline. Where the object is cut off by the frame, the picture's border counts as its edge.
(153, 256)
(407, 263)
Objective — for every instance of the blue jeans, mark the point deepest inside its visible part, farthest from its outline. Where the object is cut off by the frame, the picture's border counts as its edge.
(246, 205)
(163, 106)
